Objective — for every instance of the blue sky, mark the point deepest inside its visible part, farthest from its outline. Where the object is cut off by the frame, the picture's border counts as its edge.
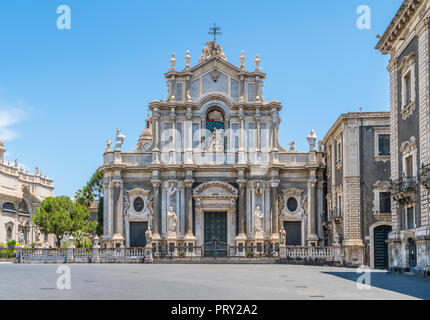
(63, 92)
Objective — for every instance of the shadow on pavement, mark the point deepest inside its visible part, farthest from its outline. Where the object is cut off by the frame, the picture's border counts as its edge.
(400, 283)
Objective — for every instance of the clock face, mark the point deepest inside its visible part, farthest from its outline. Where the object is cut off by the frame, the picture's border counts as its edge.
(138, 204)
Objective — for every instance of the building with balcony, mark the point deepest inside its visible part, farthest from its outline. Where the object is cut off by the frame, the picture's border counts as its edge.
(406, 40)
(20, 194)
(358, 215)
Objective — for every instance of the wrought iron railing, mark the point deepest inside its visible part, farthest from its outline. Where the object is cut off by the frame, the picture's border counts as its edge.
(405, 184)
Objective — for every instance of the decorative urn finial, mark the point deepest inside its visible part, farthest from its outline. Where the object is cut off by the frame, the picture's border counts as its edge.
(187, 60)
(173, 62)
(242, 60)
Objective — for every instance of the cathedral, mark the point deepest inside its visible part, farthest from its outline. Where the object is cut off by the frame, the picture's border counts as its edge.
(208, 166)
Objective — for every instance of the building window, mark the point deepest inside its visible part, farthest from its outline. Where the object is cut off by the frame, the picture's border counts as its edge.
(196, 135)
(384, 145)
(9, 231)
(263, 136)
(251, 93)
(339, 206)
(292, 204)
(385, 202)
(410, 217)
(407, 82)
(179, 91)
(409, 167)
(9, 207)
(338, 151)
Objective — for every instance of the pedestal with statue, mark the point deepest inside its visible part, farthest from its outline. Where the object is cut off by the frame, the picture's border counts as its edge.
(258, 231)
(172, 238)
(282, 241)
(148, 248)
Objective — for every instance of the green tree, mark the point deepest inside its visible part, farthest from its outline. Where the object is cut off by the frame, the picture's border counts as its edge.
(61, 216)
(93, 190)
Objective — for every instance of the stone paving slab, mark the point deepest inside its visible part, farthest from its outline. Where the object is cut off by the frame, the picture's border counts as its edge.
(201, 282)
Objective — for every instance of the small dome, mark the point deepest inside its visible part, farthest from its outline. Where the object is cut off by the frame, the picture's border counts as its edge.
(146, 134)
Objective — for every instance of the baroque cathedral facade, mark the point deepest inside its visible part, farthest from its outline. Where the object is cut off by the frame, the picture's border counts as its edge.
(209, 166)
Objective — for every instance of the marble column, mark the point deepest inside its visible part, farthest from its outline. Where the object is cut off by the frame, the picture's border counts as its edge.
(188, 141)
(258, 133)
(156, 150)
(173, 134)
(242, 137)
(117, 210)
(242, 206)
(156, 210)
(189, 210)
(313, 231)
(274, 206)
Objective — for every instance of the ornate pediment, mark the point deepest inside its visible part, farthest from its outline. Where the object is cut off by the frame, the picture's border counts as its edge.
(215, 188)
(408, 146)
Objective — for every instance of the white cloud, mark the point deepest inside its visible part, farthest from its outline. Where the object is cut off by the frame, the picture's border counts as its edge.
(10, 116)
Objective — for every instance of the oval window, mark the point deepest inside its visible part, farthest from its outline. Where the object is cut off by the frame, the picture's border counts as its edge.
(138, 204)
(292, 204)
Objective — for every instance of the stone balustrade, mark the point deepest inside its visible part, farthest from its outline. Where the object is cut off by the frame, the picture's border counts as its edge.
(81, 255)
(313, 253)
(13, 170)
(142, 159)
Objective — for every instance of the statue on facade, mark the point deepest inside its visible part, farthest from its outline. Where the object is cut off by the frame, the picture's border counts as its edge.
(148, 236)
(119, 139)
(211, 50)
(215, 143)
(258, 189)
(172, 220)
(37, 235)
(292, 148)
(172, 189)
(282, 236)
(258, 221)
(21, 238)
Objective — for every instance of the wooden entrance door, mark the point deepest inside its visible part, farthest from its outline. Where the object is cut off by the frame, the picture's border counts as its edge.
(215, 233)
(137, 234)
(380, 234)
(293, 231)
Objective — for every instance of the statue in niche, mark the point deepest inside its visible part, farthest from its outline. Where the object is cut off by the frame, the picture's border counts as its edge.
(215, 143)
(172, 219)
(172, 189)
(258, 189)
(258, 220)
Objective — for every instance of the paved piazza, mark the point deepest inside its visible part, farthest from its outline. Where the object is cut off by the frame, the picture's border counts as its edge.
(167, 281)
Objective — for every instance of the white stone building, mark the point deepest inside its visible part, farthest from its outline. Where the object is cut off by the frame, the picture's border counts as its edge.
(406, 40)
(20, 194)
(208, 166)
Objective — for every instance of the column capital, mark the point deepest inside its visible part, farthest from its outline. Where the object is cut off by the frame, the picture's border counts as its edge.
(188, 183)
(156, 183)
(241, 182)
